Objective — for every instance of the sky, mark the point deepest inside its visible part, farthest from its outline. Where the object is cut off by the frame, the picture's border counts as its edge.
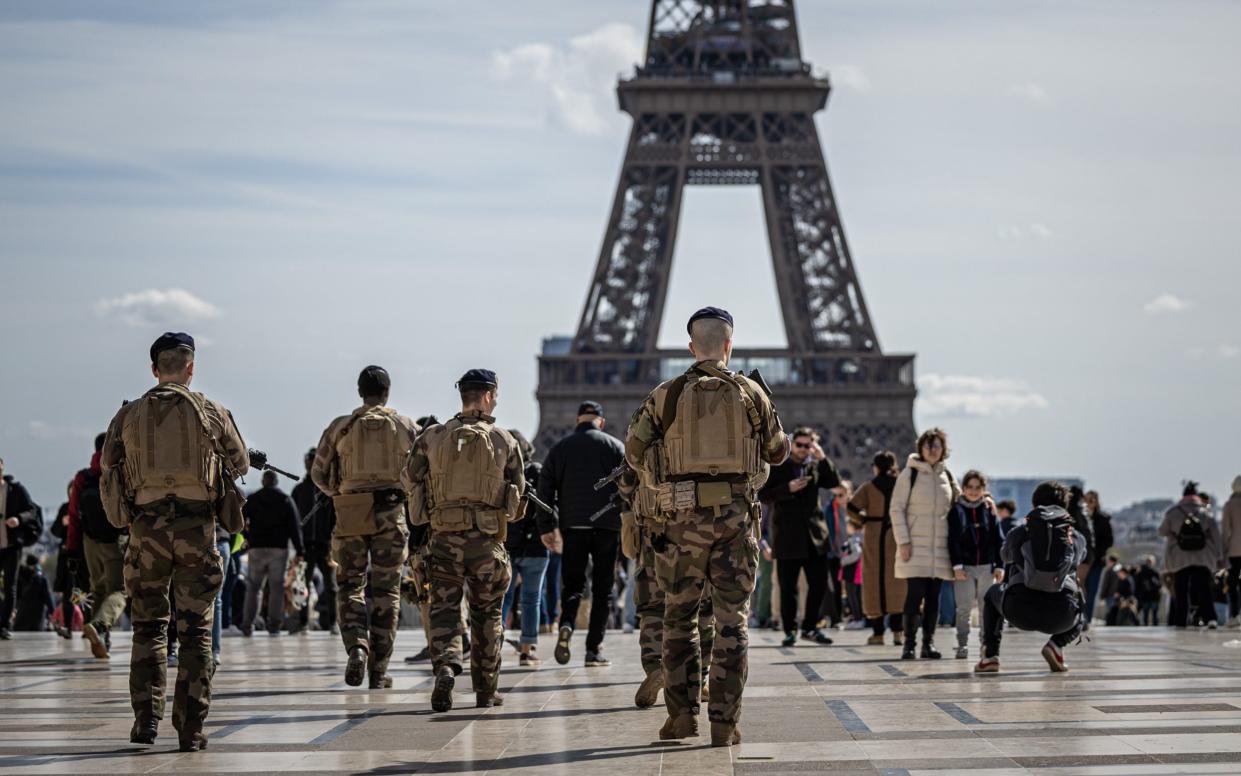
(1040, 199)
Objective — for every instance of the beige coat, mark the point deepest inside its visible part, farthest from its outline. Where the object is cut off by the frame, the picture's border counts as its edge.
(920, 519)
(1232, 522)
(882, 592)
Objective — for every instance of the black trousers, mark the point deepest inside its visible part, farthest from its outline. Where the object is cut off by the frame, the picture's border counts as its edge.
(1234, 586)
(894, 624)
(598, 546)
(1193, 590)
(317, 556)
(9, 557)
(787, 570)
(921, 593)
(1056, 614)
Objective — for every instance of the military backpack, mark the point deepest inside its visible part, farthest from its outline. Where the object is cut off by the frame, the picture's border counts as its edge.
(371, 448)
(169, 447)
(467, 487)
(711, 425)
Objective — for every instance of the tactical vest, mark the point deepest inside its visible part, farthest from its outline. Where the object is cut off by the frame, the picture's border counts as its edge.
(711, 426)
(371, 449)
(169, 447)
(466, 487)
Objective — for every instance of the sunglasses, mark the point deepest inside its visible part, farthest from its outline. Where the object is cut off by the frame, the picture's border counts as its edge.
(802, 444)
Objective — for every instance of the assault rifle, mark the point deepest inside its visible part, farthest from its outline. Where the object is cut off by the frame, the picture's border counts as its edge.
(533, 499)
(258, 460)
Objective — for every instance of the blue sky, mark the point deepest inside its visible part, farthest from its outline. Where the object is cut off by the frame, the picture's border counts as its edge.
(1040, 199)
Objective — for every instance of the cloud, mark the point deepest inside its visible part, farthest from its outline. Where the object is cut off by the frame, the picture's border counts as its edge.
(40, 429)
(965, 396)
(155, 307)
(1228, 351)
(1223, 352)
(1031, 92)
(578, 80)
(1017, 233)
(1166, 304)
(850, 77)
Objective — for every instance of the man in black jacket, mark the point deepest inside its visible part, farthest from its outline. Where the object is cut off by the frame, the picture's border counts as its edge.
(799, 531)
(589, 524)
(21, 526)
(271, 523)
(317, 541)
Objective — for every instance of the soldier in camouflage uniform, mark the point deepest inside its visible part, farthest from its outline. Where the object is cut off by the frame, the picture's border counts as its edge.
(358, 463)
(702, 438)
(163, 462)
(466, 480)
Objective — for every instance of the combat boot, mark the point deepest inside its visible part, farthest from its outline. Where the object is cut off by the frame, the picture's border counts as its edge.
(380, 681)
(441, 696)
(648, 691)
(724, 734)
(355, 669)
(98, 644)
(684, 726)
(144, 731)
(193, 742)
(485, 700)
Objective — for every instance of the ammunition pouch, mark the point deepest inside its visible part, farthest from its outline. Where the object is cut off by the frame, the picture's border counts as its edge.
(688, 495)
(229, 513)
(355, 514)
(117, 504)
(488, 520)
(630, 534)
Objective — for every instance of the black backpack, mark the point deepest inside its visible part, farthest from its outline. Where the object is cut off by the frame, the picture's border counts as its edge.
(1192, 536)
(90, 509)
(1048, 554)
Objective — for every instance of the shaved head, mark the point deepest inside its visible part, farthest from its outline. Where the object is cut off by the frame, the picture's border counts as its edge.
(710, 336)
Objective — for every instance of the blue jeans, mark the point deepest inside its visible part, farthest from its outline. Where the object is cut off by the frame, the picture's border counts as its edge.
(1093, 577)
(532, 571)
(551, 593)
(225, 547)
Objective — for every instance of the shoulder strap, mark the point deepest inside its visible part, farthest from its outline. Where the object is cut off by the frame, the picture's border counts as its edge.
(668, 412)
(200, 409)
(913, 480)
(747, 397)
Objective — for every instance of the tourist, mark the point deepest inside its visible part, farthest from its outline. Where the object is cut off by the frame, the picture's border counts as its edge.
(1232, 550)
(974, 542)
(1191, 555)
(883, 594)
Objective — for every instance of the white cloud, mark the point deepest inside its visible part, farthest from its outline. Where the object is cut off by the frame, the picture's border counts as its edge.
(966, 396)
(40, 429)
(1030, 92)
(1224, 352)
(579, 79)
(1228, 351)
(155, 307)
(1166, 304)
(850, 77)
(1017, 233)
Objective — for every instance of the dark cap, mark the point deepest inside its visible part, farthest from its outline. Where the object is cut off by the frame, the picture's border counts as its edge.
(708, 312)
(170, 340)
(590, 408)
(374, 381)
(484, 377)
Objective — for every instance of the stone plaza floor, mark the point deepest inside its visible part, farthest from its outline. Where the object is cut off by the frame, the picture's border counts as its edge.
(1137, 701)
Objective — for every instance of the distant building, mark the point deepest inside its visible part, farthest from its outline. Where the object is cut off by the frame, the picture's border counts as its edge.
(1021, 489)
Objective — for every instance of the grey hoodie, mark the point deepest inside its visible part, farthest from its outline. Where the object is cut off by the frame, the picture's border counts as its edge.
(1174, 558)
(1013, 541)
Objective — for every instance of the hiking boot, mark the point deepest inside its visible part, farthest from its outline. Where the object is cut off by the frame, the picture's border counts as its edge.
(817, 636)
(597, 660)
(485, 700)
(790, 638)
(875, 640)
(380, 681)
(929, 652)
(355, 669)
(988, 665)
(144, 731)
(529, 660)
(684, 726)
(98, 647)
(648, 691)
(963, 653)
(724, 734)
(1054, 657)
(193, 742)
(562, 645)
(441, 696)
(420, 656)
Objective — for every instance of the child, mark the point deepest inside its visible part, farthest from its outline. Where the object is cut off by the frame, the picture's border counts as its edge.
(1042, 592)
(974, 542)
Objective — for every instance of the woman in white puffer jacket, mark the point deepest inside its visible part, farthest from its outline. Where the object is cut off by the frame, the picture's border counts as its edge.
(919, 523)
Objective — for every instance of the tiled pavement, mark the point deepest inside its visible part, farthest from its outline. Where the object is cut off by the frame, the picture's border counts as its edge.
(1137, 701)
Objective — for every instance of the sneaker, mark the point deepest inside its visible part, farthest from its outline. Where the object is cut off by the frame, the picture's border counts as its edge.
(648, 691)
(597, 660)
(529, 660)
(1054, 657)
(963, 653)
(790, 638)
(97, 646)
(929, 652)
(627, 628)
(1235, 622)
(422, 655)
(215, 659)
(1212, 625)
(988, 665)
(817, 636)
(441, 696)
(173, 661)
(855, 624)
(7, 635)
(562, 645)
(874, 641)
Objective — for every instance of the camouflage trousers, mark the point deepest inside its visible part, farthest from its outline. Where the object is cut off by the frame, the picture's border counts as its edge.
(649, 601)
(473, 561)
(382, 554)
(723, 553)
(172, 543)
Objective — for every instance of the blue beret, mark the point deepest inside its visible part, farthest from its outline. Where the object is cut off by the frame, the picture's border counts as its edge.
(709, 312)
(373, 381)
(590, 408)
(479, 377)
(169, 340)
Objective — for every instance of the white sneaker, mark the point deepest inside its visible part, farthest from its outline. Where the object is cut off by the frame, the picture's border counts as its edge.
(1235, 622)
(963, 653)
(627, 628)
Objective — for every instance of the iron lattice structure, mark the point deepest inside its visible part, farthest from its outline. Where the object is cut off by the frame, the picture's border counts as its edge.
(724, 97)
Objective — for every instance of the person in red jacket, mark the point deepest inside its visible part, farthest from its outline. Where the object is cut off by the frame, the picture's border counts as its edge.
(99, 539)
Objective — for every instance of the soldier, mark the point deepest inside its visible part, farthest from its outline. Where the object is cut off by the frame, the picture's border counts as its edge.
(165, 464)
(466, 480)
(358, 463)
(702, 439)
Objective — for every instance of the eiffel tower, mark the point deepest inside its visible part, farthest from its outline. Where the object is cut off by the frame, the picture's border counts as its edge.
(724, 98)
